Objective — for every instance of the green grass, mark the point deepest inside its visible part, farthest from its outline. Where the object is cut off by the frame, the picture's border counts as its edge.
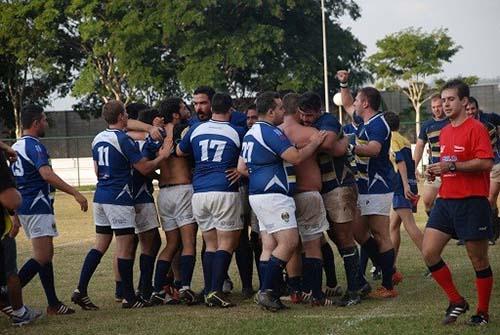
(418, 310)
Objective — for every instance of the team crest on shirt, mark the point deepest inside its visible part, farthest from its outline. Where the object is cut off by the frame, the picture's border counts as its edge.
(285, 216)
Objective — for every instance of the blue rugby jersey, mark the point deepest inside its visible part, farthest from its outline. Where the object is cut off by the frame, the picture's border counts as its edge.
(215, 147)
(375, 173)
(38, 195)
(401, 152)
(237, 119)
(335, 171)
(114, 153)
(262, 147)
(142, 186)
(429, 132)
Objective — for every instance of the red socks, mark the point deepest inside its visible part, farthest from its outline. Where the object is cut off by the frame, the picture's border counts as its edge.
(442, 275)
(484, 285)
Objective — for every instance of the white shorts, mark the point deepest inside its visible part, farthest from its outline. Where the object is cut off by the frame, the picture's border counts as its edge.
(217, 210)
(274, 211)
(375, 204)
(39, 225)
(146, 217)
(311, 215)
(114, 216)
(174, 206)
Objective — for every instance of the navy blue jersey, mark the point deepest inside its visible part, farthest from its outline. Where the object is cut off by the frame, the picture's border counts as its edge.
(335, 171)
(429, 132)
(375, 173)
(401, 152)
(142, 186)
(38, 195)
(350, 129)
(215, 147)
(237, 119)
(262, 147)
(114, 152)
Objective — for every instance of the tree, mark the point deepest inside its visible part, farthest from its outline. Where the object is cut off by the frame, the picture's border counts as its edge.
(407, 58)
(36, 58)
(249, 46)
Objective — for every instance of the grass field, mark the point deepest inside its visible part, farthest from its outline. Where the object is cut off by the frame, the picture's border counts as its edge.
(418, 310)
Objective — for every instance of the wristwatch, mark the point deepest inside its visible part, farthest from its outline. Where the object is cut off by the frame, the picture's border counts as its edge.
(452, 167)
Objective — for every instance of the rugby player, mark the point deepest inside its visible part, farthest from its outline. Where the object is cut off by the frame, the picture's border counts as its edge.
(36, 181)
(462, 209)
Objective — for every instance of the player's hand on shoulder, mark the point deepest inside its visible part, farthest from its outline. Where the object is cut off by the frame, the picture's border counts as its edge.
(11, 154)
(80, 198)
(318, 138)
(156, 133)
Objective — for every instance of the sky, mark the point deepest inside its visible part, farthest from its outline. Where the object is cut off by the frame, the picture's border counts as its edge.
(474, 25)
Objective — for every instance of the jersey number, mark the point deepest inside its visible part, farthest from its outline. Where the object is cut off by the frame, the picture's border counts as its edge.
(212, 144)
(17, 168)
(103, 156)
(246, 151)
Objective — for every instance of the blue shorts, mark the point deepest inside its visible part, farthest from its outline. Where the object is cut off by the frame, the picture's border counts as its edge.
(399, 200)
(466, 219)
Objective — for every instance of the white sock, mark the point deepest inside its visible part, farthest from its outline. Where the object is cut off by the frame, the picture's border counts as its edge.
(19, 312)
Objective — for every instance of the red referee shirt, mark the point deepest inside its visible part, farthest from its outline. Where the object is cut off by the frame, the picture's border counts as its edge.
(459, 144)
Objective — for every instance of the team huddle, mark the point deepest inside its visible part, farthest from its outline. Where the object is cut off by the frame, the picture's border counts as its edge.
(271, 186)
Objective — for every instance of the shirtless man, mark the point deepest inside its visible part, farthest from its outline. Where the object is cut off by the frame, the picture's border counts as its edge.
(174, 206)
(310, 211)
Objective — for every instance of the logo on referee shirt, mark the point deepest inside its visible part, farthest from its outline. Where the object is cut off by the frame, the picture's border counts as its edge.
(285, 216)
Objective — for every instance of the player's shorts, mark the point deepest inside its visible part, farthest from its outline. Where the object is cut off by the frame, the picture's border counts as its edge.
(465, 219)
(217, 210)
(146, 217)
(39, 225)
(375, 204)
(495, 173)
(341, 203)
(174, 206)
(436, 183)
(275, 211)
(117, 218)
(400, 201)
(10, 256)
(311, 215)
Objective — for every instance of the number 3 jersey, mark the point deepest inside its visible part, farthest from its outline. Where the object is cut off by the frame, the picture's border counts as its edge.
(38, 195)
(215, 147)
(114, 152)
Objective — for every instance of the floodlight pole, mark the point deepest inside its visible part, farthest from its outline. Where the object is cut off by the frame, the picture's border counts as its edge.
(325, 64)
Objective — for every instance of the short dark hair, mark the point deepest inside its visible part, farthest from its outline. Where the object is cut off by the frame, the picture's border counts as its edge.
(392, 120)
(209, 91)
(251, 106)
(29, 114)
(265, 102)
(436, 96)
(310, 101)
(221, 103)
(474, 101)
(170, 106)
(134, 109)
(290, 103)
(148, 115)
(461, 87)
(372, 95)
(111, 110)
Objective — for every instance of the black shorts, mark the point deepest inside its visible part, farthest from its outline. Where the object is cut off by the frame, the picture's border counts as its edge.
(466, 219)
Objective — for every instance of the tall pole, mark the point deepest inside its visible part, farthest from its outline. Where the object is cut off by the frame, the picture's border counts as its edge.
(325, 64)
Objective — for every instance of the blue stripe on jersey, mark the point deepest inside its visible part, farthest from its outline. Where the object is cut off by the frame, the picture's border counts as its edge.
(375, 173)
(262, 147)
(215, 147)
(143, 185)
(429, 133)
(38, 195)
(114, 153)
(401, 151)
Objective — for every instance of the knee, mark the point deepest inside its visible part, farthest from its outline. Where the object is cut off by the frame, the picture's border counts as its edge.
(480, 262)
(430, 256)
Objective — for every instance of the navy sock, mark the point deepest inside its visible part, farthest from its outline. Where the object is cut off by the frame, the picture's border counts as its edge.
(177, 284)
(28, 271)
(351, 264)
(295, 283)
(146, 265)
(262, 272)
(363, 261)
(387, 266)
(208, 260)
(313, 270)
(162, 268)
(370, 249)
(46, 274)
(274, 271)
(90, 263)
(306, 275)
(244, 260)
(187, 268)
(118, 289)
(126, 270)
(329, 265)
(220, 265)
